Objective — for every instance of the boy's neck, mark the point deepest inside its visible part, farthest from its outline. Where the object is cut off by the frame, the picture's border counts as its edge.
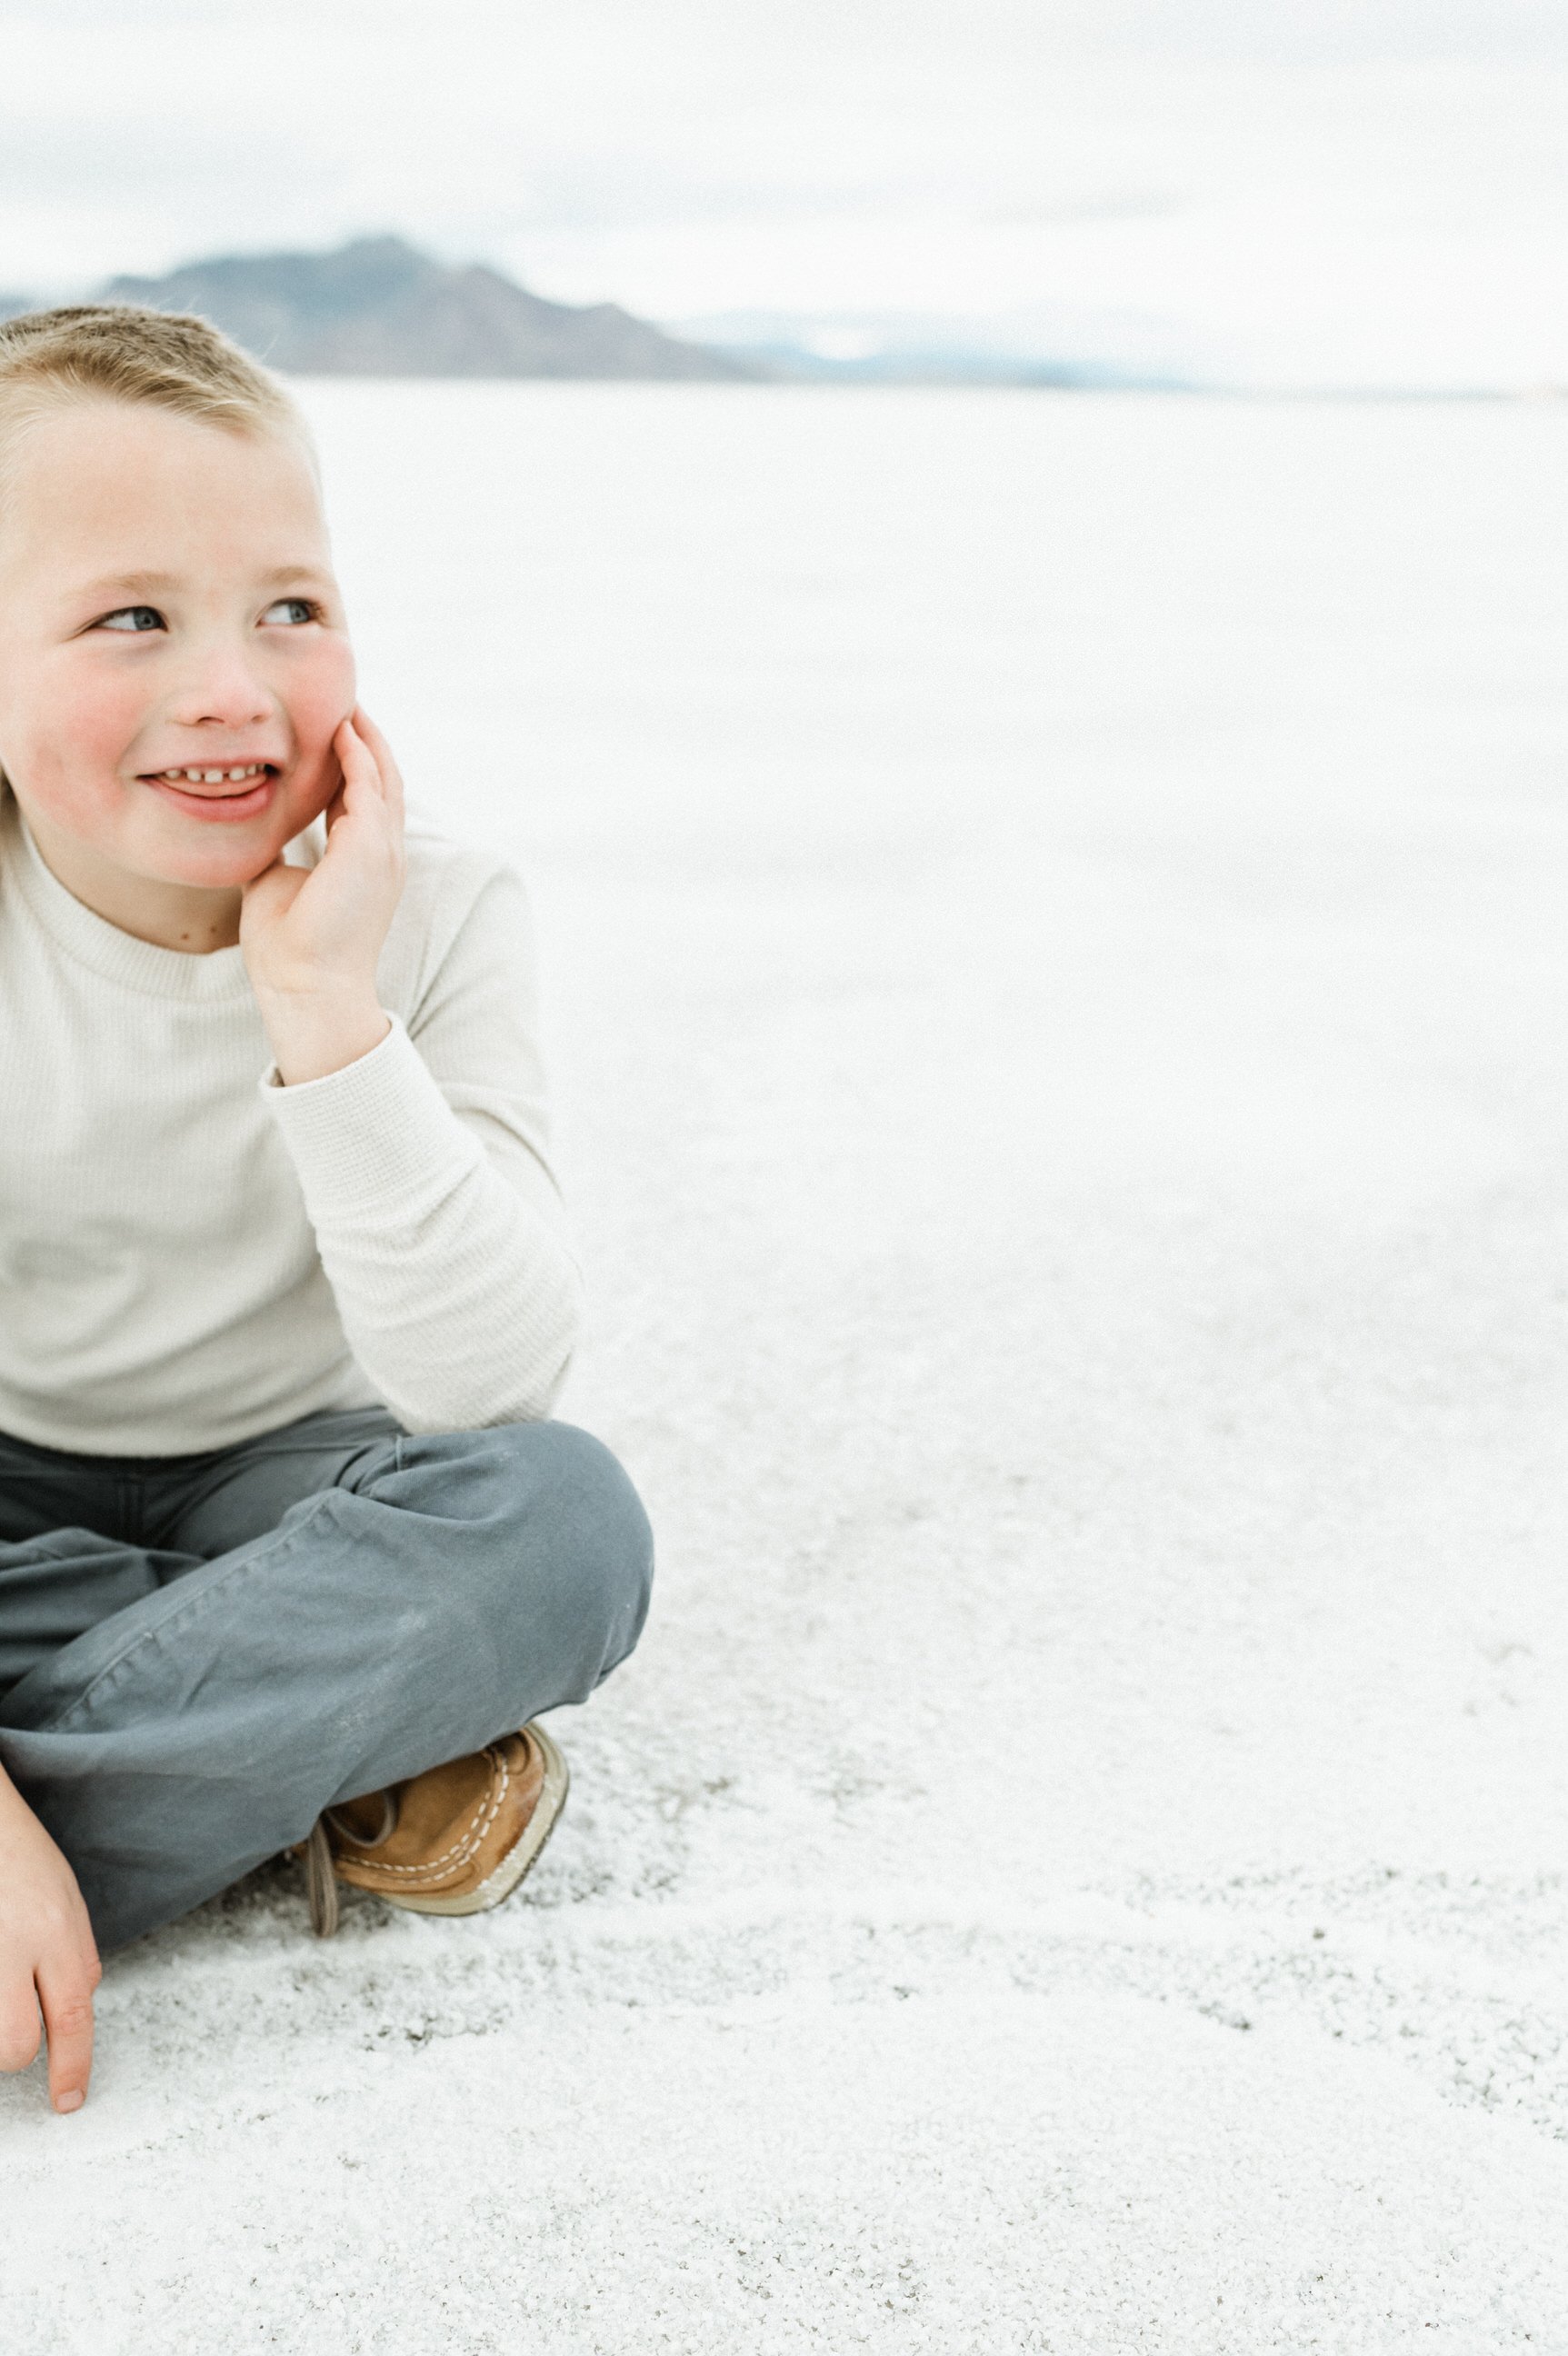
(184, 916)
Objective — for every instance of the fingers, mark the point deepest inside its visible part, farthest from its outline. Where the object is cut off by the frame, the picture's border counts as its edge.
(371, 785)
(65, 1992)
(361, 773)
(20, 2030)
(61, 1985)
(391, 776)
(49, 1956)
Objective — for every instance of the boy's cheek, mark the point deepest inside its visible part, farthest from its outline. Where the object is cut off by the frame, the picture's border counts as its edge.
(77, 786)
(321, 710)
(75, 770)
(317, 709)
(312, 786)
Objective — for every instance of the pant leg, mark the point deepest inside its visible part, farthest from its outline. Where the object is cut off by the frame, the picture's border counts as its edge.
(66, 1557)
(445, 1589)
(54, 1588)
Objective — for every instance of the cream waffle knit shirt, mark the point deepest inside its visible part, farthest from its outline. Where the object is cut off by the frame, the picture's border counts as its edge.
(191, 1253)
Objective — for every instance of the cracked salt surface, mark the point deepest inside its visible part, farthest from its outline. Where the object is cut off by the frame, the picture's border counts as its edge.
(1053, 957)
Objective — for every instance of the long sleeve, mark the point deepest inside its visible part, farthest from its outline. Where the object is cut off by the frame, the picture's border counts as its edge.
(424, 1176)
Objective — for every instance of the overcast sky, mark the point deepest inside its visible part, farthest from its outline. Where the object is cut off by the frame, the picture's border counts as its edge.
(1334, 189)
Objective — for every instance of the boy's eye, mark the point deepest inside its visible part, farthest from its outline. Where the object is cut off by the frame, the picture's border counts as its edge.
(291, 610)
(132, 617)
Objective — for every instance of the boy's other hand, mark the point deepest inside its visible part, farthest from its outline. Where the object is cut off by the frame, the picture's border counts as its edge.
(311, 936)
(48, 1958)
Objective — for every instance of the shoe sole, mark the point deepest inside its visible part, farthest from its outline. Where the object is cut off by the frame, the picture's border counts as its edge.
(524, 1852)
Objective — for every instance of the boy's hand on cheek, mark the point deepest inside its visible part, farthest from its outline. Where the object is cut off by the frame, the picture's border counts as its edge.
(48, 1956)
(311, 936)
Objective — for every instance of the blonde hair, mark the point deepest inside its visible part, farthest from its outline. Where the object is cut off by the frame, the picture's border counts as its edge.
(122, 351)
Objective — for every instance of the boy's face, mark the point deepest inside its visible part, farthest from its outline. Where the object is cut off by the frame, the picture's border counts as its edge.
(167, 606)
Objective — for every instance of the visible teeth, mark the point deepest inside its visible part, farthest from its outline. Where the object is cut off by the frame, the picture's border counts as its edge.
(213, 776)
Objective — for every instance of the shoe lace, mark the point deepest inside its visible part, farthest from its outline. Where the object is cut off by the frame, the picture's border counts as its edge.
(320, 1882)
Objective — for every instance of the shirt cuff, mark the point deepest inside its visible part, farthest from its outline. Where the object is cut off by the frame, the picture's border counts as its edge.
(378, 1131)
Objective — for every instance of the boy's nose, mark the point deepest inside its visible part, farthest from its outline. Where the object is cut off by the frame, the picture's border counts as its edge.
(221, 690)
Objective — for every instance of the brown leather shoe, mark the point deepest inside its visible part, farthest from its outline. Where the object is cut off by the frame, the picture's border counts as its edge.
(455, 1840)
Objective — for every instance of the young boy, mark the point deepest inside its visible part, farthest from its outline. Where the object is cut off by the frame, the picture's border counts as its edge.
(289, 1555)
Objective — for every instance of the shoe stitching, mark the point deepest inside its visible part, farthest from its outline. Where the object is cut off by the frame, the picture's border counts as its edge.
(468, 1841)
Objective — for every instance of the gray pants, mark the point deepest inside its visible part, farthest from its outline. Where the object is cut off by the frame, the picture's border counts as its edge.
(198, 1654)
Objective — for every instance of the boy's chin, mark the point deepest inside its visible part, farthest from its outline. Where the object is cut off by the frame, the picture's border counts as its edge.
(226, 873)
(216, 854)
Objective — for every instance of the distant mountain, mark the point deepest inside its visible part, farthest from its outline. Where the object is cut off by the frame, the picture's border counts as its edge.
(380, 307)
(1071, 348)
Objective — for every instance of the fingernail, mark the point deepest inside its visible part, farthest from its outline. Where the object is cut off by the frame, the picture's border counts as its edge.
(70, 2100)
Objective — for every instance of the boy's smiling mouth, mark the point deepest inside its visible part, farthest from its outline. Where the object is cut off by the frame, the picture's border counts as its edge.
(230, 790)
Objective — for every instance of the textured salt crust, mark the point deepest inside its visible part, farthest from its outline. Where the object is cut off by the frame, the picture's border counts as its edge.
(1054, 958)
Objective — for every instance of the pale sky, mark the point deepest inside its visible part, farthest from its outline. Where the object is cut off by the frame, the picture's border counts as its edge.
(1328, 191)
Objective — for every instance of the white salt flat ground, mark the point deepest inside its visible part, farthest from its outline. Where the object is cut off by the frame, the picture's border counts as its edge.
(1053, 922)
